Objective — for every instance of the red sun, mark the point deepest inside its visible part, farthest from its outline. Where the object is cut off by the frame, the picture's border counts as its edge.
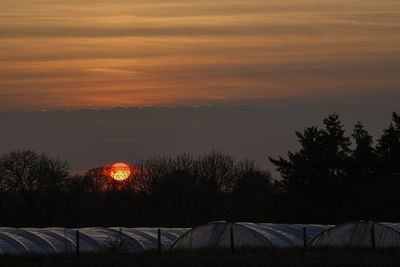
(120, 171)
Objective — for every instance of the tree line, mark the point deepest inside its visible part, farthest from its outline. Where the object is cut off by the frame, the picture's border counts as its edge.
(335, 177)
(332, 178)
(179, 191)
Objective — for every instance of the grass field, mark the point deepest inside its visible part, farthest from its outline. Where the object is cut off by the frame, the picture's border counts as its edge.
(249, 257)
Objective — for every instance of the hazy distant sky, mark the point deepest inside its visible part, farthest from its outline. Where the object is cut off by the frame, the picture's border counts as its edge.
(249, 72)
(93, 138)
(69, 54)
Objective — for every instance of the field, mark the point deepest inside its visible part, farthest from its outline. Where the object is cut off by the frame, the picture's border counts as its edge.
(250, 257)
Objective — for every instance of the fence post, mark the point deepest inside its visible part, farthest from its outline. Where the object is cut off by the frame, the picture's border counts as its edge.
(159, 241)
(305, 237)
(232, 240)
(65, 242)
(373, 244)
(77, 242)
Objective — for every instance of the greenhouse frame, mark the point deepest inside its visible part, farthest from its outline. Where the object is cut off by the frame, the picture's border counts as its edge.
(91, 239)
(221, 234)
(218, 234)
(360, 234)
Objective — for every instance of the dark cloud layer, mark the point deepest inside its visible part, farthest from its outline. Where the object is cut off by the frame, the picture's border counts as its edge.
(89, 138)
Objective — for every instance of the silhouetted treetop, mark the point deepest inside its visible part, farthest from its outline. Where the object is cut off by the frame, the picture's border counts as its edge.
(329, 173)
(321, 160)
(363, 159)
(388, 148)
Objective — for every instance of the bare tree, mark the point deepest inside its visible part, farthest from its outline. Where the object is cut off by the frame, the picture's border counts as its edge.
(34, 176)
(3, 184)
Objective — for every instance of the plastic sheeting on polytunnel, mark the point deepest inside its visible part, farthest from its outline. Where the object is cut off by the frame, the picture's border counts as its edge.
(218, 234)
(95, 239)
(360, 234)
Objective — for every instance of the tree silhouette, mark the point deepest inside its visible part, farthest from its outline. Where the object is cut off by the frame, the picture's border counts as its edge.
(313, 177)
(175, 198)
(362, 164)
(37, 178)
(388, 149)
(253, 197)
(3, 184)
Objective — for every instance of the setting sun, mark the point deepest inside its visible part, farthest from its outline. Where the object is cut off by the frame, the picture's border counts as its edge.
(120, 171)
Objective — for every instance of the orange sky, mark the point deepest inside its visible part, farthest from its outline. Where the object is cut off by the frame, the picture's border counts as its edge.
(70, 54)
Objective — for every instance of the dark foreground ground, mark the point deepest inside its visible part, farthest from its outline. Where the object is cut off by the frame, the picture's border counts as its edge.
(259, 257)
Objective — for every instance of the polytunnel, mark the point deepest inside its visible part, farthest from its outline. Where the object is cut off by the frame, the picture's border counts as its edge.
(91, 239)
(360, 234)
(245, 234)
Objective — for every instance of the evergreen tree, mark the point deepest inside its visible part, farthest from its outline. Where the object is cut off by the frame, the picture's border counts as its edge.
(314, 177)
(357, 203)
(388, 149)
(362, 164)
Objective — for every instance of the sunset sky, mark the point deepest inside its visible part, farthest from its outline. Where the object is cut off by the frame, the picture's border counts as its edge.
(242, 59)
(70, 54)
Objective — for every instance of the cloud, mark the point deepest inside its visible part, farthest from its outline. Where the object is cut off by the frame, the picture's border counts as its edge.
(121, 140)
(266, 28)
(251, 129)
(74, 54)
(72, 32)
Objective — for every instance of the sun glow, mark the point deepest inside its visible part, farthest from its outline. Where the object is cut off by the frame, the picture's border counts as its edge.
(120, 171)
